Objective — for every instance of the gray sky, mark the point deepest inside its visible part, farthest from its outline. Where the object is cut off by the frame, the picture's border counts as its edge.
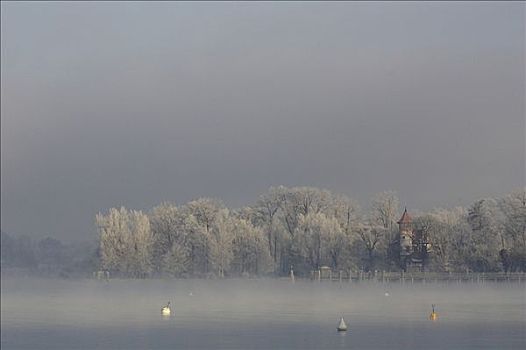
(109, 104)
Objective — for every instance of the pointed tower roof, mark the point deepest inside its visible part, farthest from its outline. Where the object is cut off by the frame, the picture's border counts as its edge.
(406, 218)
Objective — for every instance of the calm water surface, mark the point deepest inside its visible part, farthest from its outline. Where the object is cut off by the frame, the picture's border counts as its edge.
(258, 314)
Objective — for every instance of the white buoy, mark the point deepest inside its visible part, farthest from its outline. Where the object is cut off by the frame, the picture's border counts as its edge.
(165, 310)
(342, 327)
(190, 294)
(386, 294)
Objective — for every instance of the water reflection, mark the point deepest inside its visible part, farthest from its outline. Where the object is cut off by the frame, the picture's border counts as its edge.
(342, 336)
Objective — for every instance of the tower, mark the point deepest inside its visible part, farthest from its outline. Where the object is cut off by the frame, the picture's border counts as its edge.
(405, 228)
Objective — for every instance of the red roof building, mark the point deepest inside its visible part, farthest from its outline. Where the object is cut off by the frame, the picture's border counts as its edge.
(406, 218)
(414, 246)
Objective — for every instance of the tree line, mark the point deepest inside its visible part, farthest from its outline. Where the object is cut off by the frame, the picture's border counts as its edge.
(48, 257)
(306, 228)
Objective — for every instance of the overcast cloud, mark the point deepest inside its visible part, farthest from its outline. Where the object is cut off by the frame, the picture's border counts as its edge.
(109, 104)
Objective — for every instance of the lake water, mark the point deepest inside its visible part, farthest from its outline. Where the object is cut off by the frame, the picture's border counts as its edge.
(258, 314)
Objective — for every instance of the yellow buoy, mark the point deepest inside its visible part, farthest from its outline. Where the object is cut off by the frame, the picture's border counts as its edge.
(433, 316)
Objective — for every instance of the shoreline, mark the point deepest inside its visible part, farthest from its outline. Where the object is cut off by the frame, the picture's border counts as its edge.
(386, 278)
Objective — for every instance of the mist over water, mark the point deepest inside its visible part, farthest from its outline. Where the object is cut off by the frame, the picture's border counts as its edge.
(262, 314)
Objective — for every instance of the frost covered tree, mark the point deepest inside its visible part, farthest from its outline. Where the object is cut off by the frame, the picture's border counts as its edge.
(308, 240)
(385, 209)
(319, 241)
(445, 229)
(142, 240)
(266, 212)
(306, 227)
(294, 203)
(384, 212)
(338, 245)
(195, 237)
(222, 238)
(513, 207)
(298, 201)
(175, 262)
(250, 253)
(205, 212)
(346, 211)
(114, 238)
(485, 239)
(370, 236)
(165, 221)
(125, 242)
(209, 237)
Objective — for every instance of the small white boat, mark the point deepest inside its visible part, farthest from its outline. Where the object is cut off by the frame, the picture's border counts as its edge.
(166, 311)
(342, 327)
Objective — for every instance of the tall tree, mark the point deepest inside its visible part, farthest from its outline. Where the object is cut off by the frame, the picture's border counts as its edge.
(444, 227)
(485, 238)
(141, 254)
(384, 212)
(222, 242)
(250, 253)
(319, 240)
(385, 209)
(266, 210)
(114, 238)
(370, 236)
(513, 207)
(205, 211)
(125, 242)
(165, 222)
